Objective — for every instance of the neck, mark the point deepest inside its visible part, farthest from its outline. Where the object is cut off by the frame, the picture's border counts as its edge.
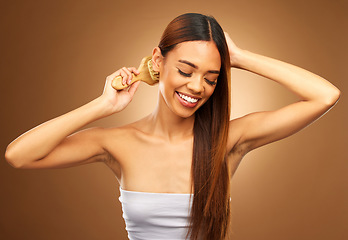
(167, 125)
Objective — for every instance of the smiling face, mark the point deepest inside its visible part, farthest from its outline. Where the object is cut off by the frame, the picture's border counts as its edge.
(188, 75)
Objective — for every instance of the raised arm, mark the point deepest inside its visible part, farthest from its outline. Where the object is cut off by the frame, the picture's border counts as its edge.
(316, 95)
(53, 144)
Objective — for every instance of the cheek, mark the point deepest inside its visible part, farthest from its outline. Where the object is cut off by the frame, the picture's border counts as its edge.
(166, 84)
(209, 91)
(168, 81)
(208, 94)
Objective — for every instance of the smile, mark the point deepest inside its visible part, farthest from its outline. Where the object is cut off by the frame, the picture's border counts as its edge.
(187, 98)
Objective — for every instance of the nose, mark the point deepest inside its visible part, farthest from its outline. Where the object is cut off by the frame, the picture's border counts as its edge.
(196, 84)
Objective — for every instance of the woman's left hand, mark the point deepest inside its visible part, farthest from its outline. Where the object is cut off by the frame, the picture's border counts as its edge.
(233, 50)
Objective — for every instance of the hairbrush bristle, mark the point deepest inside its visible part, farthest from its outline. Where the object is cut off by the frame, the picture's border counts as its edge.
(153, 73)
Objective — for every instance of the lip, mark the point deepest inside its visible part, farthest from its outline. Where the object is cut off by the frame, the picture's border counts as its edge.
(185, 103)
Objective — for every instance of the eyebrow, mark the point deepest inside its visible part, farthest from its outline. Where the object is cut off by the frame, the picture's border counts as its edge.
(196, 67)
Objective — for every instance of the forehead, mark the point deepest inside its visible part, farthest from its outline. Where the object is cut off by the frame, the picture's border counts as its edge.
(204, 54)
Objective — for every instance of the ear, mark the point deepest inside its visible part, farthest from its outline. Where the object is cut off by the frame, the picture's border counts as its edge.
(157, 59)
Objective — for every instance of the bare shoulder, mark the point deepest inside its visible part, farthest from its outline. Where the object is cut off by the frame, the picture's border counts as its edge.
(120, 140)
(128, 132)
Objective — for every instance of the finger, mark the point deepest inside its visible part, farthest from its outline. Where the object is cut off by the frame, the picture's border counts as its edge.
(133, 88)
(134, 70)
(226, 35)
(130, 76)
(124, 76)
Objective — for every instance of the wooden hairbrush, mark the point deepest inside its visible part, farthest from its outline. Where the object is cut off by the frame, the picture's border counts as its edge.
(147, 74)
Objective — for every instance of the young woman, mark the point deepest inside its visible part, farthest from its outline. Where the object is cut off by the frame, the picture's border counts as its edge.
(174, 166)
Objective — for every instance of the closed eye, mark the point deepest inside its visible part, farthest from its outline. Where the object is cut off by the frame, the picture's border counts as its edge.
(210, 82)
(184, 74)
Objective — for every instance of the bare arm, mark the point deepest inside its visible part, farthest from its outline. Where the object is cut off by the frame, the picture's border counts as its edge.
(316, 95)
(50, 145)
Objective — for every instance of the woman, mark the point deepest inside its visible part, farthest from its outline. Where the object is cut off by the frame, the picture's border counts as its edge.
(174, 166)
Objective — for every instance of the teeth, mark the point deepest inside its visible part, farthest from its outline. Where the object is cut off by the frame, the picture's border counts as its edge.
(188, 99)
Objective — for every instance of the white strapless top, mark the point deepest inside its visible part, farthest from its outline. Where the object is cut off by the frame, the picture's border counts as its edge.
(152, 216)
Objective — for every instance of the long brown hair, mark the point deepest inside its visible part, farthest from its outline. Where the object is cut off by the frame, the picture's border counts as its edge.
(210, 212)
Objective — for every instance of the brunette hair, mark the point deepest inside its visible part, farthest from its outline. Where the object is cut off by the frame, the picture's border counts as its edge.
(210, 212)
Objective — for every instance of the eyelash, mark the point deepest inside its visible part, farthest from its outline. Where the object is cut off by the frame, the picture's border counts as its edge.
(184, 74)
(190, 74)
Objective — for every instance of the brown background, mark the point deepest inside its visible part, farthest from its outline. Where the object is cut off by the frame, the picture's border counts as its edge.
(55, 56)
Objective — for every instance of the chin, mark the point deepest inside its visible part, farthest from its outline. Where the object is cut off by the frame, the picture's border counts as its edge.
(186, 115)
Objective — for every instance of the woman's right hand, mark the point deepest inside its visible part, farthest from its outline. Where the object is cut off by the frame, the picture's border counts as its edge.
(115, 100)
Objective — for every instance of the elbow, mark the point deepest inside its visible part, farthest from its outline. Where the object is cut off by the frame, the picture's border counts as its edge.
(335, 96)
(332, 97)
(12, 159)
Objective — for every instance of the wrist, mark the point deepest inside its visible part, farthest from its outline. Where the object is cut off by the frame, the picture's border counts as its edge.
(102, 107)
(237, 59)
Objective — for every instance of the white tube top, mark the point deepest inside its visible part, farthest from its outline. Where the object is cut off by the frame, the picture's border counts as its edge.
(150, 216)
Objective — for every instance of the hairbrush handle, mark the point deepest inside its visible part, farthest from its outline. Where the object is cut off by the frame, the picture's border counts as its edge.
(117, 82)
